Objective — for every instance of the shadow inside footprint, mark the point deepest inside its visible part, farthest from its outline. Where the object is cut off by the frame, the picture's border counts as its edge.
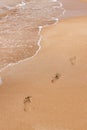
(73, 60)
(27, 101)
(56, 77)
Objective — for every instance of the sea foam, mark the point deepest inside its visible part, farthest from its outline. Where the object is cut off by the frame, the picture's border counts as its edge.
(23, 27)
(0, 81)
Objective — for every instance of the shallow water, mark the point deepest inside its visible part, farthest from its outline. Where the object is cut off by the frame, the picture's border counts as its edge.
(74, 8)
(19, 22)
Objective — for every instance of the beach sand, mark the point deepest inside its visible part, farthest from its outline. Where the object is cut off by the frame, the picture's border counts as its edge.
(56, 80)
(85, 0)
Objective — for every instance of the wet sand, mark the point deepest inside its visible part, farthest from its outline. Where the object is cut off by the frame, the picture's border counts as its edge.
(85, 0)
(49, 91)
(19, 27)
(74, 8)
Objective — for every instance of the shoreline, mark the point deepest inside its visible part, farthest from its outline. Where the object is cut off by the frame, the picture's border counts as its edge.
(60, 104)
(39, 41)
(40, 29)
(30, 46)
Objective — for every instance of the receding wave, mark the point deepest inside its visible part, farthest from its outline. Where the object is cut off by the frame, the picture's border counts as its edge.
(20, 24)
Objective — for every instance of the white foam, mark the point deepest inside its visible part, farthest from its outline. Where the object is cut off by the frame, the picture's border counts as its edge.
(54, 0)
(56, 19)
(40, 28)
(22, 4)
(61, 5)
(64, 12)
(0, 81)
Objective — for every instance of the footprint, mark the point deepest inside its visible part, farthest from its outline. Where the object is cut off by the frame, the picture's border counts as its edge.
(73, 60)
(27, 102)
(56, 77)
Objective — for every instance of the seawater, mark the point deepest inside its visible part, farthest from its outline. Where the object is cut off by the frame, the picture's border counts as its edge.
(20, 24)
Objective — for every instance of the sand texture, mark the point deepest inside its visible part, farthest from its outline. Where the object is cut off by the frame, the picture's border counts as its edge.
(49, 91)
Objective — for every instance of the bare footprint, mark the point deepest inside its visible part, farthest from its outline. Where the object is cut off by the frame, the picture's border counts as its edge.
(27, 101)
(73, 60)
(56, 77)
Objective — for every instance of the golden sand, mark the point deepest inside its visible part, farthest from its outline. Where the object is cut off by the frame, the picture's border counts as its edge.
(56, 80)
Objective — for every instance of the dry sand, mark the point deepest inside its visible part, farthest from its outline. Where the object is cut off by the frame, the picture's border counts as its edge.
(56, 80)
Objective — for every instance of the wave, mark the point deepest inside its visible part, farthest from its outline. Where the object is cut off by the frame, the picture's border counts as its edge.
(21, 29)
